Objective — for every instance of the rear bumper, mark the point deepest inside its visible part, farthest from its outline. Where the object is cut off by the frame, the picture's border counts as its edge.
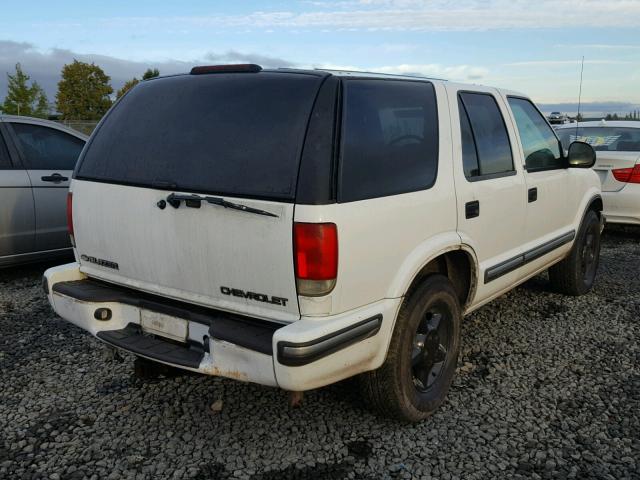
(309, 353)
(623, 206)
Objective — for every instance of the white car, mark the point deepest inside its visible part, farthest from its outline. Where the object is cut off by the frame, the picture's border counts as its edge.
(557, 118)
(617, 146)
(294, 228)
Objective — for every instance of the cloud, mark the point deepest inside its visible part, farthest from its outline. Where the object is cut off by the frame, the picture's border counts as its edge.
(419, 15)
(598, 46)
(44, 67)
(451, 72)
(551, 63)
(590, 109)
(233, 56)
(434, 70)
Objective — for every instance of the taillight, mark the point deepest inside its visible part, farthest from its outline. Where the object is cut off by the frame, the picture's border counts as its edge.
(315, 250)
(70, 218)
(627, 175)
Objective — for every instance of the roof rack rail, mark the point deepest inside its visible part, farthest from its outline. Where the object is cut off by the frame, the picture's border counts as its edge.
(380, 73)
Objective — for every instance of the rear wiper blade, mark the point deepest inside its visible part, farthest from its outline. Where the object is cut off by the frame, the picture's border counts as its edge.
(194, 201)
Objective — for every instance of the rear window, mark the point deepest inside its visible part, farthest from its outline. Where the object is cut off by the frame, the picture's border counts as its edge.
(611, 139)
(389, 138)
(236, 134)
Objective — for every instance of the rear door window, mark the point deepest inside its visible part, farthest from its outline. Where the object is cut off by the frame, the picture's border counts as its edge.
(485, 141)
(45, 148)
(237, 134)
(389, 138)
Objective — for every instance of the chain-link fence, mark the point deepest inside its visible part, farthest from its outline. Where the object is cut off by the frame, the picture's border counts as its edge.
(84, 126)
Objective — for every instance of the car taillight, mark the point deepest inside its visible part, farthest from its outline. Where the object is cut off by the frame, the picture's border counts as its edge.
(315, 250)
(70, 218)
(627, 175)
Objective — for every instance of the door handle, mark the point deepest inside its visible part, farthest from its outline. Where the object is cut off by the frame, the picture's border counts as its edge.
(472, 209)
(533, 194)
(54, 178)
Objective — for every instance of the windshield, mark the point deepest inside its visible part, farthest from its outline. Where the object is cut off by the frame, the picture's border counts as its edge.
(612, 139)
(237, 134)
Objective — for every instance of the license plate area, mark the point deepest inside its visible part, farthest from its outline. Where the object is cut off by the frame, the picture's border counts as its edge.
(164, 325)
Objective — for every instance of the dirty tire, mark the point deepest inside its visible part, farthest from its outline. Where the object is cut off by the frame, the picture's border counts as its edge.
(417, 373)
(575, 274)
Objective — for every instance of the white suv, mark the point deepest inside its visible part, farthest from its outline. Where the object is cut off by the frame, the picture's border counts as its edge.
(294, 228)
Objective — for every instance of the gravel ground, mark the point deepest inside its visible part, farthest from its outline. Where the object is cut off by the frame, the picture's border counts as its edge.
(549, 387)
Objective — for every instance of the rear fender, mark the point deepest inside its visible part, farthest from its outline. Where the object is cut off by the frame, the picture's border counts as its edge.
(422, 255)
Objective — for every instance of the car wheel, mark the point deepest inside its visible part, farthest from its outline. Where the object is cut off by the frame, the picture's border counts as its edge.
(575, 274)
(422, 357)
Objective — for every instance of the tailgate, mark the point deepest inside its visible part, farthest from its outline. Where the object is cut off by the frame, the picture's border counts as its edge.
(222, 258)
(608, 161)
(228, 137)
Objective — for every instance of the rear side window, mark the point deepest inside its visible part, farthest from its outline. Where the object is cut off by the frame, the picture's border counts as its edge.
(45, 148)
(5, 162)
(485, 142)
(607, 139)
(541, 146)
(237, 134)
(389, 138)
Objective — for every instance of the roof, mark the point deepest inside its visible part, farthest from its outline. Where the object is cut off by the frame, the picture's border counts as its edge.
(365, 74)
(603, 123)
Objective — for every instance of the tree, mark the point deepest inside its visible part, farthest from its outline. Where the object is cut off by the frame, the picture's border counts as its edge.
(134, 81)
(127, 86)
(23, 99)
(84, 92)
(150, 74)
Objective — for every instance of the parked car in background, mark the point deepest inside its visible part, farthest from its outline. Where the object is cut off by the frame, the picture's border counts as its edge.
(617, 146)
(37, 158)
(557, 118)
(294, 228)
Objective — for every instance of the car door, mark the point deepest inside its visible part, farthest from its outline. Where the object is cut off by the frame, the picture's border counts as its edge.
(550, 204)
(17, 217)
(490, 187)
(49, 156)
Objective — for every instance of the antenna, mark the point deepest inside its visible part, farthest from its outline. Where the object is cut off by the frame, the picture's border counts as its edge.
(579, 97)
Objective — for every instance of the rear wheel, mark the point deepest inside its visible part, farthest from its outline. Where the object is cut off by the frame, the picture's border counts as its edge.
(423, 353)
(575, 274)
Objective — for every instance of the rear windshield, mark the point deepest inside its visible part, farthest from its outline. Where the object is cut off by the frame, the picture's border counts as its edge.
(612, 139)
(237, 134)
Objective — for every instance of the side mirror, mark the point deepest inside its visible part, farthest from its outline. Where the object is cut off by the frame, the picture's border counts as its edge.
(581, 155)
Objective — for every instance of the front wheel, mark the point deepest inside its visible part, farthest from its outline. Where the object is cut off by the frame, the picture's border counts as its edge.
(417, 373)
(575, 274)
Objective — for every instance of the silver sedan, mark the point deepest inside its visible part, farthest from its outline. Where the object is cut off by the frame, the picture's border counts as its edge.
(37, 158)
